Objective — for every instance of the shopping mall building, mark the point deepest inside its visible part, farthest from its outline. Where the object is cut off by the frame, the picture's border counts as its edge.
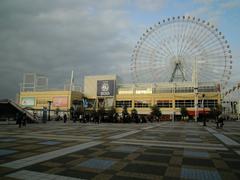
(106, 91)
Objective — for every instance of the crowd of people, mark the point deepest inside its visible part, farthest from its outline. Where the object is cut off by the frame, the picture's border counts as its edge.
(95, 118)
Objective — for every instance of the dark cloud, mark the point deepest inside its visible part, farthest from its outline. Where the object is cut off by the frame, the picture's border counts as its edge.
(55, 37)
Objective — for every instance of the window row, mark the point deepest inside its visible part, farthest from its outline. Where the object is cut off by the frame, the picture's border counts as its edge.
(167, 103)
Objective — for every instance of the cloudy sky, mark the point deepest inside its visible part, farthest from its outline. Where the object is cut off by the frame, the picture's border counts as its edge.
(53, 37)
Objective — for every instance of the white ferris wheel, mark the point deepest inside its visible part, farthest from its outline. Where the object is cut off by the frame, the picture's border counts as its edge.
(167, 52)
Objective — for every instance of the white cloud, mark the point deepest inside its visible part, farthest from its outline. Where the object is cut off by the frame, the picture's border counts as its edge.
(150, 5)
(203, 1)
(230, 4)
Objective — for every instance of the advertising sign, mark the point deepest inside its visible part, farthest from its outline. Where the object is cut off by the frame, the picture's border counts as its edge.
(106, 88)
(60, 101)
(28, 101)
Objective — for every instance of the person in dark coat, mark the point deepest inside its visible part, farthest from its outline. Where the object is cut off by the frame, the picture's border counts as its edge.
(19, 119)
(65, 118)
(220, 120)
(24, 119)
(75, 116)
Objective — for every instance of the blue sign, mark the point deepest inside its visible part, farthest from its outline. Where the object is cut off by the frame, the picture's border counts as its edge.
(85, 103)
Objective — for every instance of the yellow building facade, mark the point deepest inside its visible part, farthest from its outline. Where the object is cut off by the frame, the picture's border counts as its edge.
(106, 91)
(169, 97)
(39, 99)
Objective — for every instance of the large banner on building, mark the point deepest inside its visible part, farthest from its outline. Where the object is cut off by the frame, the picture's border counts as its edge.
(28, 101)
(60, 101)
(106, 88)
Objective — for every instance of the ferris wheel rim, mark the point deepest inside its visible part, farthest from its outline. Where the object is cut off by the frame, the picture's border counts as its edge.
(219, 39)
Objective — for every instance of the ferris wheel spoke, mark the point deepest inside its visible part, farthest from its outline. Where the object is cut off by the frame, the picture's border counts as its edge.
(188, 31)
(193, 31)
(197, 40)
(181, 36)
(163, 42)
(147, 48)
(194, 45)
(212, 45)
(180, 42)
(204, 41)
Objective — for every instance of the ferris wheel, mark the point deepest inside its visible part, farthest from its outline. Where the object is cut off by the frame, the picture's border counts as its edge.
(168, 51)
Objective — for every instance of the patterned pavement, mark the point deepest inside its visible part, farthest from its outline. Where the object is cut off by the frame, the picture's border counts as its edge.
(162, 150)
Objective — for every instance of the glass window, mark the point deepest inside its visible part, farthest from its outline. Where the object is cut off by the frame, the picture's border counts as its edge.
(184, 103)
(120, 104)
(142, 104)
(164, 103)
(210, 103)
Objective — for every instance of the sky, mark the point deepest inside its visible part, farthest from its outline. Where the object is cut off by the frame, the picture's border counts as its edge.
(54, 37)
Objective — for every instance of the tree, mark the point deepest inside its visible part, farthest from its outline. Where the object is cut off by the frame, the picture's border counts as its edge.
(57, 110)
(155, 112)
(125, 114)
(134, 115)
(184, 112)
(215, 111)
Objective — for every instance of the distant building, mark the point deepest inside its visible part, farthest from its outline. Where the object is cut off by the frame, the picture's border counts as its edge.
(104, 91)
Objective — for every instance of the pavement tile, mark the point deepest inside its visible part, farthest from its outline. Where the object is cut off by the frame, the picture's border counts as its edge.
(38, 168)
(121, 160)
(78, 174)
(115, 155)
(126, 149)
(50, 142)
(5, 170)
(228, 176)
(173, 172)
(196, 154)
(162, 151)
(5, 152)
(98, 163)
(103, 177)
(146, 169)
(199, 174)
(134, 175)
(234, 164)
(220, 164)
(198, 162)
(5, 139)
(176, 160)
(154, 158)
(51, 164)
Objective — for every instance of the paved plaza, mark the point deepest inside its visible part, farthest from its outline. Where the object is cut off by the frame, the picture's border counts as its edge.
(162, 150)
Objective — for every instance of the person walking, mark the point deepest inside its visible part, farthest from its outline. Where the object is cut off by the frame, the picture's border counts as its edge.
(220, 121)
(24, 119)
(19, 120)
(64, 118)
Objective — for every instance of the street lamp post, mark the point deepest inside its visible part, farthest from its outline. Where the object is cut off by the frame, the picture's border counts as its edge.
(49, 109)
(235, 112)
(204, 120)
(196, 104)
(195, 80)
(238, 110)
